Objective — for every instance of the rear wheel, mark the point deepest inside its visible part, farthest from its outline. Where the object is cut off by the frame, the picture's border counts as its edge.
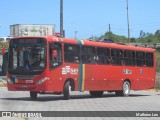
(33, 95)
(96, 93)
(67, 90)
(125, 89)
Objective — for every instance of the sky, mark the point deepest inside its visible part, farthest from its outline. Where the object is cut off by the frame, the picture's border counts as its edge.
(87, 17)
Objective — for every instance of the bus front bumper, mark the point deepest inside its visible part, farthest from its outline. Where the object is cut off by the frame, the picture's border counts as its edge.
(26, 87)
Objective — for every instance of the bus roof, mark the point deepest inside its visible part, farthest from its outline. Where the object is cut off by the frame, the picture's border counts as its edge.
(92, 43)
(102, 44)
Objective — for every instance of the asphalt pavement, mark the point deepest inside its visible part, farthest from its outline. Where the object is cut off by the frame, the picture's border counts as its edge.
(81, 101)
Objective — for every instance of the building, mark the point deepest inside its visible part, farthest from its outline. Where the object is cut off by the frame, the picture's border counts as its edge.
(32, 30)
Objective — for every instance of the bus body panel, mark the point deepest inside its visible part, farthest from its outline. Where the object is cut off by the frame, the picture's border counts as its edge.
(90, 77)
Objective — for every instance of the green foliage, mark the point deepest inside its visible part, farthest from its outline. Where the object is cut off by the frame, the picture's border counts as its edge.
(114, 37)
(6, 45)
(144, 37)
(0, 44)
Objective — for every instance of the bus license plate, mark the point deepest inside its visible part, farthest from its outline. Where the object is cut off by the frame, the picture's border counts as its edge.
(29, 81)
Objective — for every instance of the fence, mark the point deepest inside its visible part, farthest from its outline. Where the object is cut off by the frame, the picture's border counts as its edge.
(157, 84)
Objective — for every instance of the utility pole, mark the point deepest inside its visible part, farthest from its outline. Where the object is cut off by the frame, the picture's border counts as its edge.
(128, 23)
(109, 31)
(61, 18)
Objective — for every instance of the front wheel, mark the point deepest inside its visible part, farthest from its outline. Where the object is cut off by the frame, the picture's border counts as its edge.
(33, 95)
(67, 90)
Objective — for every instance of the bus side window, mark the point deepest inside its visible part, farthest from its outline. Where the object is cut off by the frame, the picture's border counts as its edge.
(149, 60)
(117, 57)
(88, 55)
(55, 54)
(129, 58)
(140, 56)
(108, 58)
(71, 53)
(103, 55)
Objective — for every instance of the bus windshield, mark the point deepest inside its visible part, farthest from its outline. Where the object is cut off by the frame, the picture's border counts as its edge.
(27, 55)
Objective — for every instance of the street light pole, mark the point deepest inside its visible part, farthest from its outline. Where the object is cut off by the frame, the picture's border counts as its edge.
(61, 18)
(128, 23)
(76, 34)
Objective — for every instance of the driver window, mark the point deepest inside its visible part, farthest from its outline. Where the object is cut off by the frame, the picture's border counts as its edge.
(55, 53)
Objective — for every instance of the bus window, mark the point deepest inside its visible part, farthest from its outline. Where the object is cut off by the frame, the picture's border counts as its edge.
(108, 56)
(129, 58)
(28, 56)
(149, 60)
(71, 53)
(55, 53)
(140, 56)
(88, 54)
(103, 55)
(117, 57)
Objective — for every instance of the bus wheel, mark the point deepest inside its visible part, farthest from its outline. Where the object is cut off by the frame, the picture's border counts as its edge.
(67, 90)
(96, 93)
(33, 95)
(125, 89)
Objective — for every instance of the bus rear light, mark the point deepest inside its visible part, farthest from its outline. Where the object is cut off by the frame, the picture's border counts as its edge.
(42, 80)
(10, 81)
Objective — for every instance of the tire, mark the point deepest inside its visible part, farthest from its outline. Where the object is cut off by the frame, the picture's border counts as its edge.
(125, 89)
(67, 90)
(33, 95)
(96, 93)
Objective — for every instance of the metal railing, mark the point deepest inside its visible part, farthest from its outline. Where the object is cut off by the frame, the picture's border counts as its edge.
(157, 84)
(150, 45)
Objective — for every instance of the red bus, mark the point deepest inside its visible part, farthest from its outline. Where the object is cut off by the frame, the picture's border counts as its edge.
(56, 65)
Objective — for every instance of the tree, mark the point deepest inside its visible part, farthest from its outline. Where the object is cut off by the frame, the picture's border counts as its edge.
(142, 34)
(157, 34)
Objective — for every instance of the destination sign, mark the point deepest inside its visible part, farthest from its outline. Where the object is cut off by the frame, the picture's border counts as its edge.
(27, 41)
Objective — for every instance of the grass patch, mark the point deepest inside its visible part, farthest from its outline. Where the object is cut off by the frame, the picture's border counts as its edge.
(154, 90)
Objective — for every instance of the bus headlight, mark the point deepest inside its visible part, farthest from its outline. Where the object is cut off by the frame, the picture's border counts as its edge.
(42, 80)
(10, 81)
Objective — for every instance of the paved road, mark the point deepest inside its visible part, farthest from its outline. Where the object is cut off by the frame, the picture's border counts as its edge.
(137, 101)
